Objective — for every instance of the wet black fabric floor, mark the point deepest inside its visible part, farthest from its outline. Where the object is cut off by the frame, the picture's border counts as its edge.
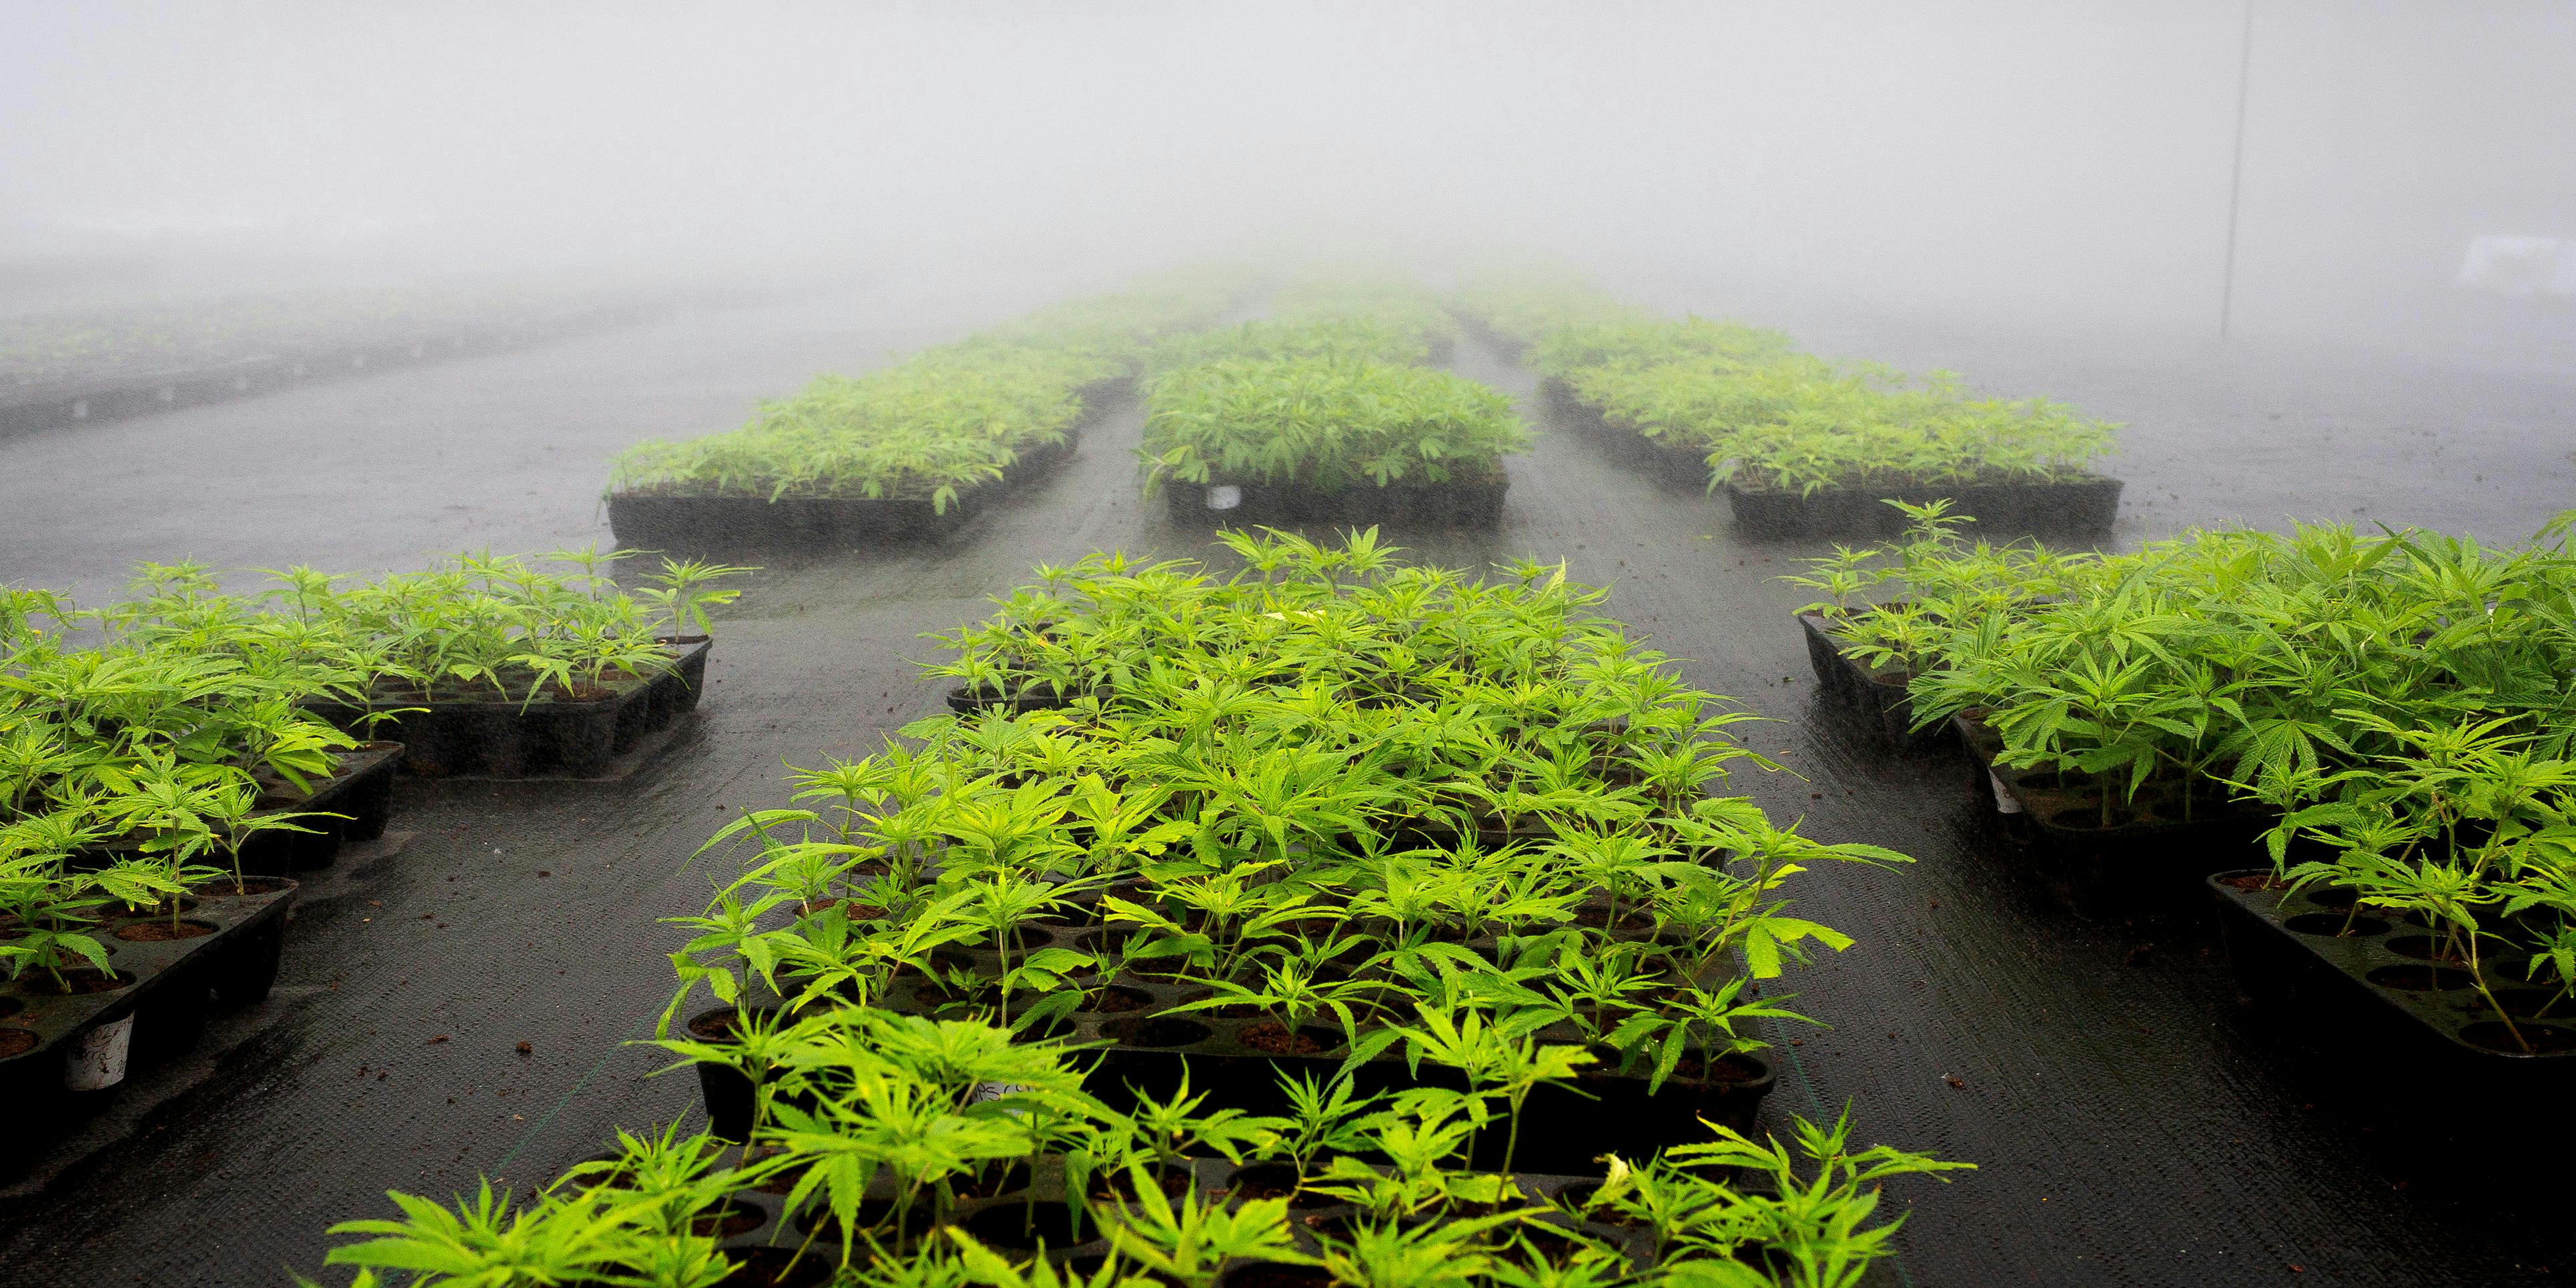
(2134, 1125)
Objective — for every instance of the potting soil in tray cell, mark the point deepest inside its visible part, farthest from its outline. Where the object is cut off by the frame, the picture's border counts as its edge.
(1460, 503)
(675, 520)
(2374, 981)
(2149, 857)
(2074, 506)
(164, 968)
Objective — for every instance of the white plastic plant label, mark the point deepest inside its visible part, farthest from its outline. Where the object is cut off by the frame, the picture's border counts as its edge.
(2003, 799)
(97, 1061)
(1224, 496)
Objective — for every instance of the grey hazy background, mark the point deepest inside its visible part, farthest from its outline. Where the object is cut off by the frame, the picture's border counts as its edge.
(2033, 194)
(2050, 163)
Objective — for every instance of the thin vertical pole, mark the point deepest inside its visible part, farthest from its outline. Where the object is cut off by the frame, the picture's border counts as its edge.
(2236, 172)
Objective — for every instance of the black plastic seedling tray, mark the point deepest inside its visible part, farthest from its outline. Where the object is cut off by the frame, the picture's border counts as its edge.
(1460, 503)
(764, 1236)
(1672, 464)
(1141, 1049)
(665, 519)
(668, 520)
(355, 804)
(2365, 981)
(966, 700)
(230, 955)
(1014, 1217)
(677, 690)
(731, 524)
(2081, 507)
(1878, 694)
(505, 738)
(2150, 860)
(1563, 1129)
(351, 806)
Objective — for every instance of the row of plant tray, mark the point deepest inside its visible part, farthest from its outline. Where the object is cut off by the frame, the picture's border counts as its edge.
(2348, 980)
(139, 393)
(2372, 984)
(222, 948)
(749, 522)
(1024, 1212)
(1236, 1060)
(2078, 506)
(1417, 504)
(504, 737)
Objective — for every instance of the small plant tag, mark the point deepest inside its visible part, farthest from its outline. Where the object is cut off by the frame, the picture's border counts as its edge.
(2004, 801)
(97, 1061)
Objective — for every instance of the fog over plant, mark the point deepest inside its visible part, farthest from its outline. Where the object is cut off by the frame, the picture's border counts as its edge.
(1958, 160)
(983, 643)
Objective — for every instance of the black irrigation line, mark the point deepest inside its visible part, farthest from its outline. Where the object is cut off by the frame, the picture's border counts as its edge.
(2107, 1068)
